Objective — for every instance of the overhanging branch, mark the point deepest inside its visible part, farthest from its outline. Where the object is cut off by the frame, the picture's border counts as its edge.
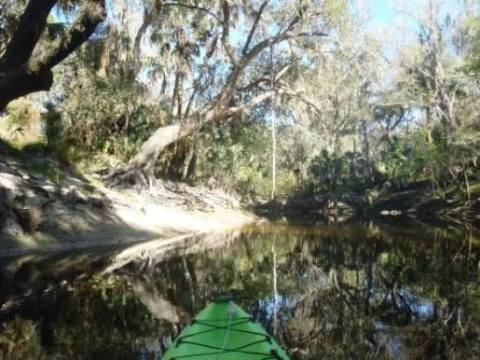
(31, 26)
(92, 13)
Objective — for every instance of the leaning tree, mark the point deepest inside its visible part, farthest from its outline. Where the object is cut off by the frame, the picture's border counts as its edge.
(229, 56)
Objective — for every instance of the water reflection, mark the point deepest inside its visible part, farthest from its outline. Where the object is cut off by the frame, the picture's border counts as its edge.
(359, 292)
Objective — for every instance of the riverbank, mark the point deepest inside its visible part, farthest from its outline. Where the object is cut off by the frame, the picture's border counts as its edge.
(38, 213)
(417, 201)
(46, 206)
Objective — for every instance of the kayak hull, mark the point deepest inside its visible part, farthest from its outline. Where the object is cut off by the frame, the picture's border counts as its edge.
(224, 331)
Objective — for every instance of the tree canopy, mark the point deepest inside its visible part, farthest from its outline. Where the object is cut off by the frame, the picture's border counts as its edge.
(188, 90)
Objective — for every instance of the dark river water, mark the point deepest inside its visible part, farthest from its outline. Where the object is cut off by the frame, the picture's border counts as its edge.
(363, 291)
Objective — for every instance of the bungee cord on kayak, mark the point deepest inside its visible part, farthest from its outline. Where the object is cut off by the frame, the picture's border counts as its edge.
(231, 312)
(211, 336)
(231, 327)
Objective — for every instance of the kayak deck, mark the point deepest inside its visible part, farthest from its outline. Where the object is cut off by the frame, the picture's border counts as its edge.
(224, 331)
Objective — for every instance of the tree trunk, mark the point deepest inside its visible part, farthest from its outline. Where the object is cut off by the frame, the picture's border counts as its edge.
(103, 60)
(366, 149)
(467, 186)
(189, 163)
(274, 159)
(353, 160)
(26, 68)
(141, 166)
(20, 83)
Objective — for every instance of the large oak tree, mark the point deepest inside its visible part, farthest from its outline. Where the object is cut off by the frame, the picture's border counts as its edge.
(29, 56)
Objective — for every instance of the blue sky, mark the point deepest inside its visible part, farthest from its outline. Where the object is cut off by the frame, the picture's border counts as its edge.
(383, 11)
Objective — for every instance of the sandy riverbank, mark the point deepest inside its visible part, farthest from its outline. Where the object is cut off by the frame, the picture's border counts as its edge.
(37, 214)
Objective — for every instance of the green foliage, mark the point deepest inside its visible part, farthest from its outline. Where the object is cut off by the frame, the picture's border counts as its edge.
(53, 126)
(472, 29)
(335, 10)
(103, 116)
(328, 171)
(337, 172)
(404, 159)
(237, 156)
(21, 113)
(19, 339)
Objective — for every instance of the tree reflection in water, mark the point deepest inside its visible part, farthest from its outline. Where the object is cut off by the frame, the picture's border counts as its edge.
(342, 292)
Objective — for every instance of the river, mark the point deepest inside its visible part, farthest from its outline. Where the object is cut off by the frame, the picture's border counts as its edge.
(352, 291)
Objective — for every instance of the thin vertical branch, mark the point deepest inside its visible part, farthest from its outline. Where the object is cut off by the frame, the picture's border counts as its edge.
(273, 130)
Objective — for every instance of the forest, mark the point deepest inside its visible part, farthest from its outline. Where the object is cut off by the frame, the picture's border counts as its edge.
(268, 100)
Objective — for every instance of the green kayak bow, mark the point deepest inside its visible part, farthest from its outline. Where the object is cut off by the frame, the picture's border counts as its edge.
(224, 331)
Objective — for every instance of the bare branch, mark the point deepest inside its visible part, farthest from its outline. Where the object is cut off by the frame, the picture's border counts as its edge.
(254, 27)
(282, 71)
(227, 91)
(266, 79)
(254, 84)
(192, 7)
(226, 31)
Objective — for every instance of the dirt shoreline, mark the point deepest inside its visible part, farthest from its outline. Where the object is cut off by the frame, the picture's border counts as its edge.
(137, 231)
(39, 215)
